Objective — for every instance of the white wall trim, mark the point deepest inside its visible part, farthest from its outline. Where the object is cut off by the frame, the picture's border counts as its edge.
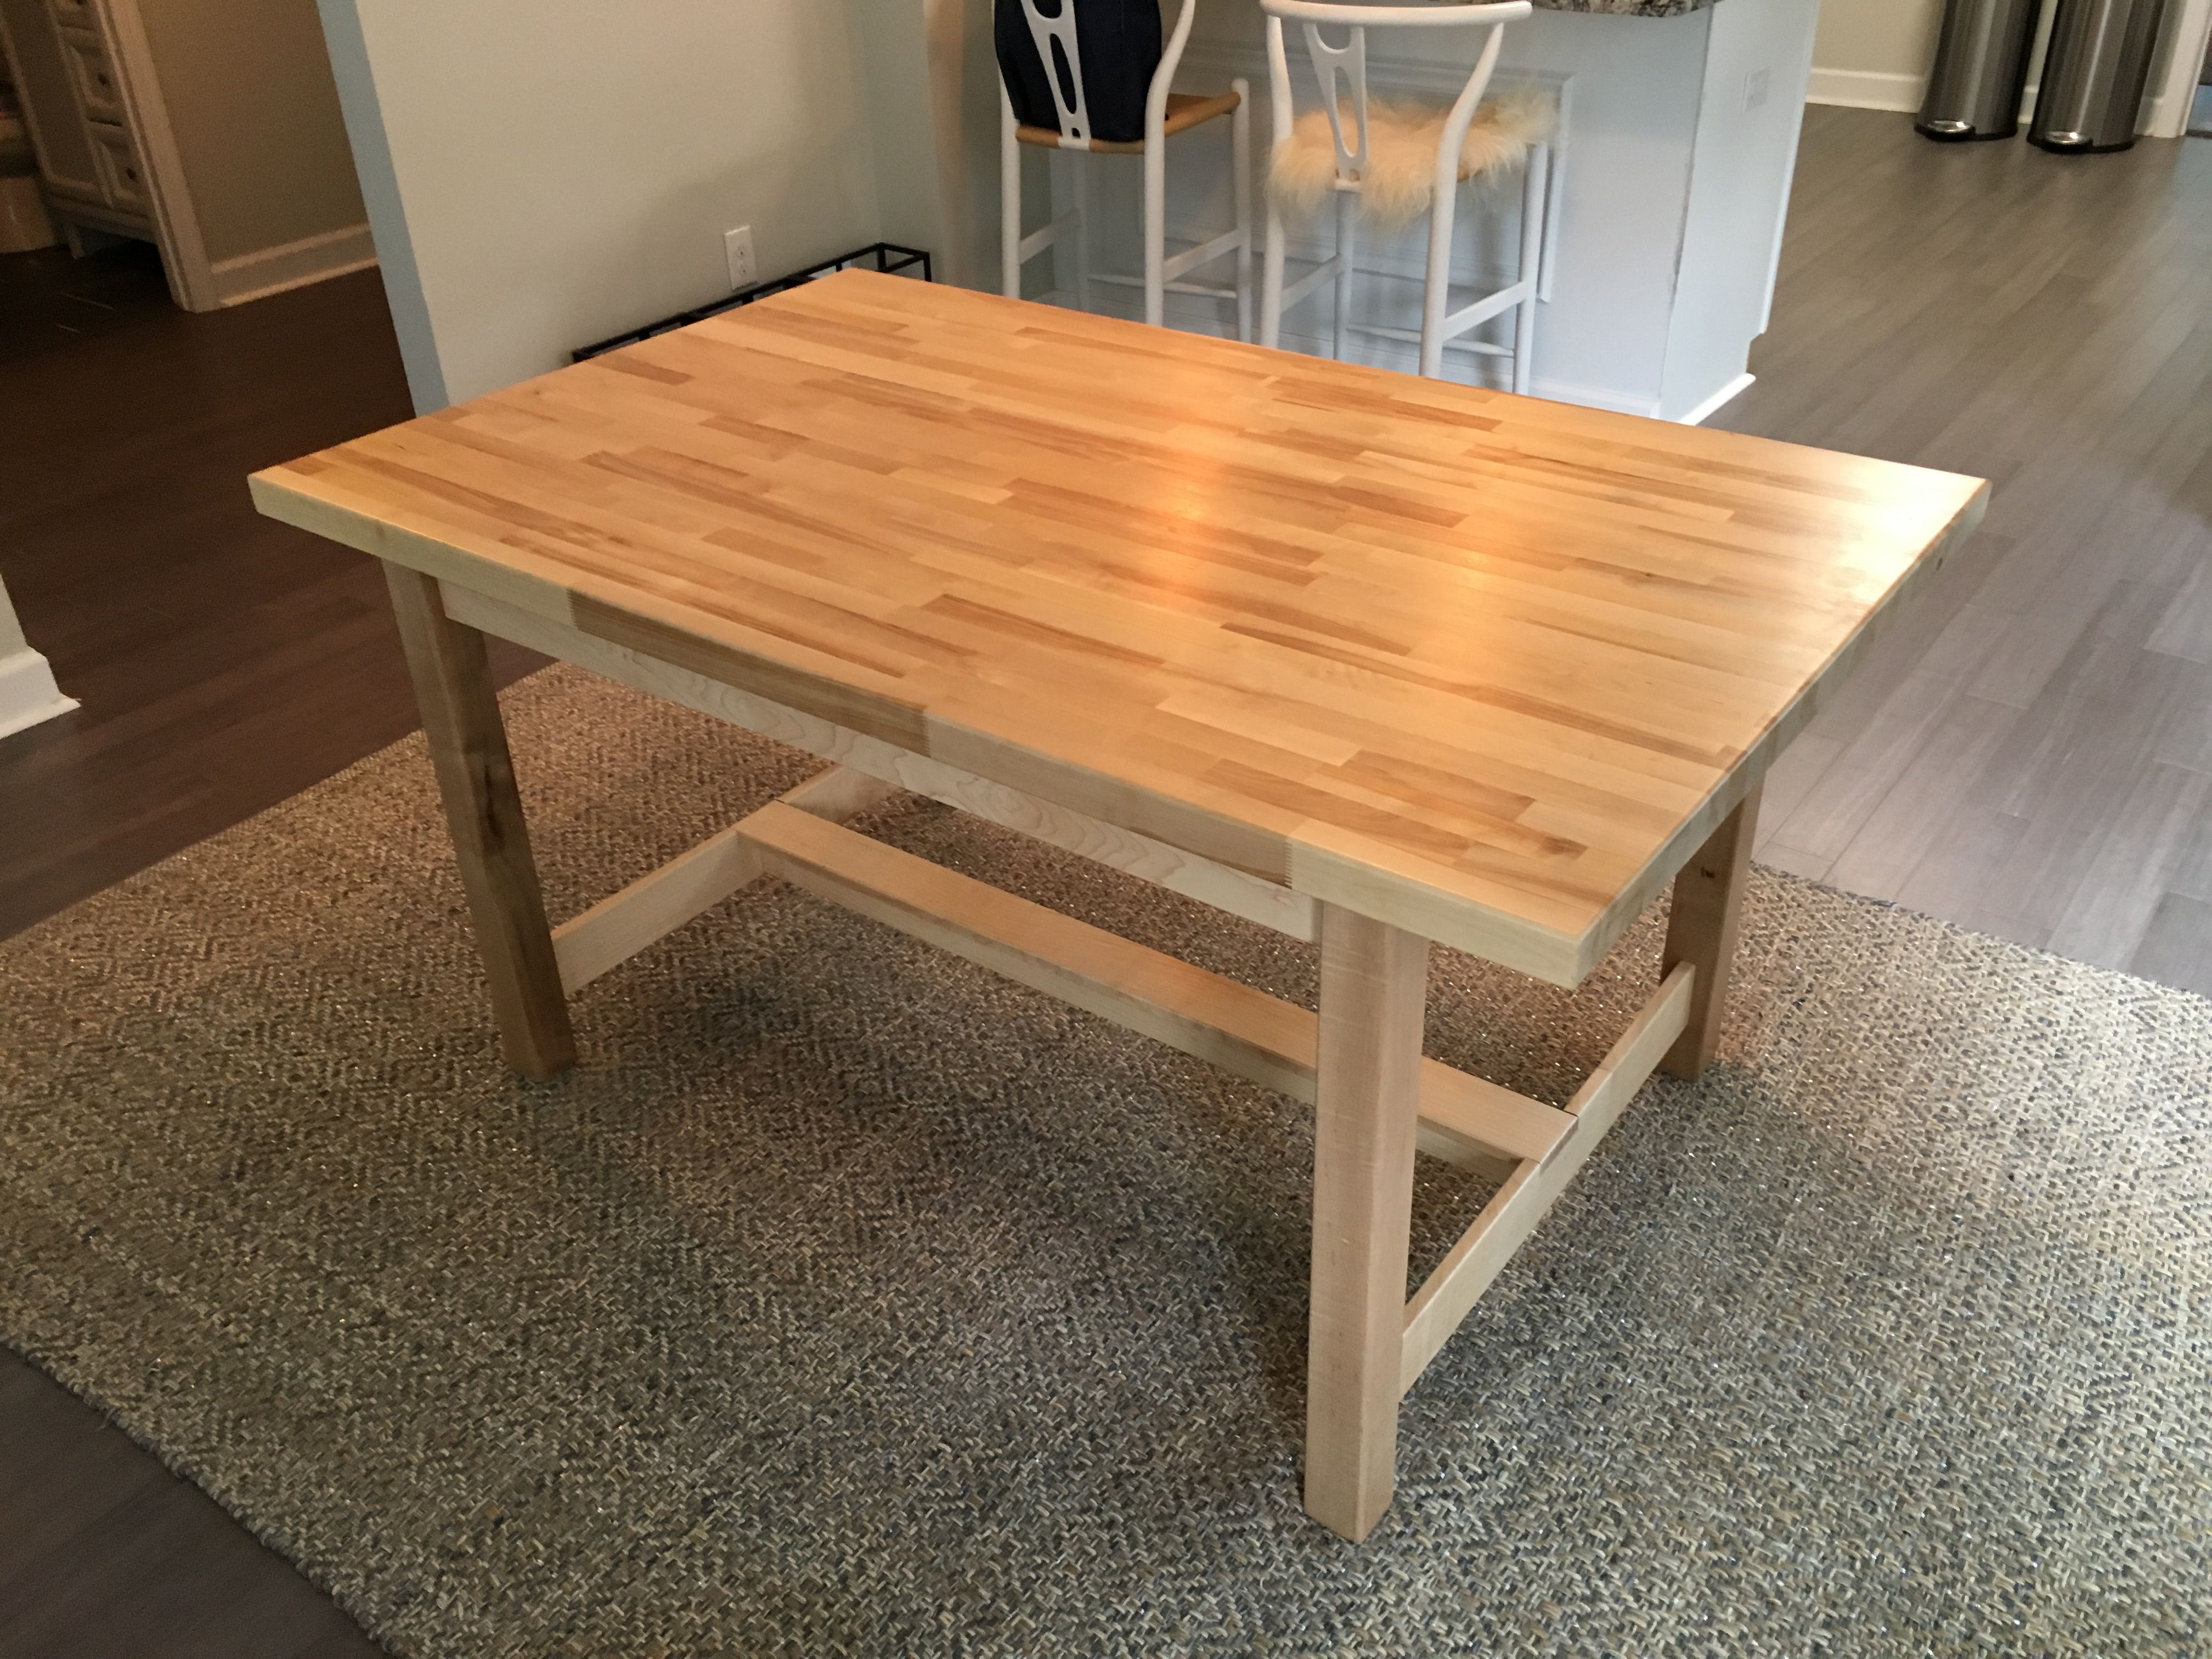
(184, 251)
(2174, 71)
(292, 264)
(380, 190)
(1705, 411)
(28, 692)
(1866, 89)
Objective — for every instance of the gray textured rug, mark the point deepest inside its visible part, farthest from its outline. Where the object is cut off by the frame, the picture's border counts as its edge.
(850, 1301)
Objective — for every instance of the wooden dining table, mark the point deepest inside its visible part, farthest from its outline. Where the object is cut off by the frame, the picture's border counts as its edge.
(1372, 660)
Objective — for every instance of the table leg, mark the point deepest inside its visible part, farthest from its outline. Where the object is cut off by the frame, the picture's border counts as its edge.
(1374, 983)
(1701, 930)
(476, 775)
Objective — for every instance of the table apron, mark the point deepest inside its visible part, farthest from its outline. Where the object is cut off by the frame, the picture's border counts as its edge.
(1221, 886)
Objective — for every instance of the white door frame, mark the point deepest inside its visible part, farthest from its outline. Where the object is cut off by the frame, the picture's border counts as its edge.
(2174, 80)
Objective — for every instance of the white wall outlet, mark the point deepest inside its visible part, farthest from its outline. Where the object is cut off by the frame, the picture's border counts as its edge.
(737, 249)
(1754, 90)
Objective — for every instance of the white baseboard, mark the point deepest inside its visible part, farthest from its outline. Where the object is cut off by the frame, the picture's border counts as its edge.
(28, 692)
(1705, 411)
(1864, 90)
(1593, 396)
(294, 264)
(1860, 89)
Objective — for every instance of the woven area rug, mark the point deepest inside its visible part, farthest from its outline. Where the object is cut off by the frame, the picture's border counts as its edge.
(848, 1300)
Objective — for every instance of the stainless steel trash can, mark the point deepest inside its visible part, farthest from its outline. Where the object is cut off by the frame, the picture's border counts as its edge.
(2094, 74)
(1981, 67)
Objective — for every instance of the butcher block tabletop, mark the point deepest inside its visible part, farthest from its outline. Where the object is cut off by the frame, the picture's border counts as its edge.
(1485, 666)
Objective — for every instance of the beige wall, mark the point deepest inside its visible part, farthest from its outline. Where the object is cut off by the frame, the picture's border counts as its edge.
(247, 85)
(1876, 54)
(932, 90)
(1877, 37)
(541, 173)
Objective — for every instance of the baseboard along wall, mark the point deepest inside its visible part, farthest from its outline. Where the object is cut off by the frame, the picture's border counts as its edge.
(1865, 89)
(28, 692)
(294, 264)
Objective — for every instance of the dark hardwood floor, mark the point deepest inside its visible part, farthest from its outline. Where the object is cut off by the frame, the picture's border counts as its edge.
(2031, 755)
(223, 663)
(105, 1554)
(49, 300)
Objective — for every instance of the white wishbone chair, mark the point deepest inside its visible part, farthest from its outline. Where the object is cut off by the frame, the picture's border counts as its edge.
(1166, 114)
(1341, 74)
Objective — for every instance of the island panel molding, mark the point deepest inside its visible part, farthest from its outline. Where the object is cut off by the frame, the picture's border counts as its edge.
(1665, 221)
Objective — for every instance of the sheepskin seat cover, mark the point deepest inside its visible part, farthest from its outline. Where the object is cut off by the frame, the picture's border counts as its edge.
(1402, 139)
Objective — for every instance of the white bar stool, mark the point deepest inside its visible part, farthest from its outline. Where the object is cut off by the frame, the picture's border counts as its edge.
(1166, 114)
(1354, 157)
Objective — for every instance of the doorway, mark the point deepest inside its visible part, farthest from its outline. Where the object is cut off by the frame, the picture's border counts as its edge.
(2200, 107)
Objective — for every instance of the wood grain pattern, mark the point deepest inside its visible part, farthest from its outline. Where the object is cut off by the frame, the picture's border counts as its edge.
(1434, 653)
(1463, 1120)
(1701, 930)
(662, 900)
(611, 932)
(1178, 869)
(1471, 1266)
(491, 841)
(1374, 988)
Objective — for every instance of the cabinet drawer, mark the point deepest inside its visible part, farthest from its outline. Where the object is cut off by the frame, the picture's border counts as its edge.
(122, 175)
(97, 89)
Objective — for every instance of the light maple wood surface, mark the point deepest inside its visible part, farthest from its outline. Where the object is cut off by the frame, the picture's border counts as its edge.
(1374, 989)
(1701, 924)
(467, 741)
(1483, 666)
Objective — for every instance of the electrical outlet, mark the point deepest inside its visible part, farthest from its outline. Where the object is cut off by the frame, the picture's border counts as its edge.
(1754, 90)
(737, 249)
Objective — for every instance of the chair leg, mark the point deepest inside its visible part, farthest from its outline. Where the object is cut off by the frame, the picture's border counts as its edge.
(1533, 203)
(1240, 154)
(1436, 283)
(1271, 281)
(1010, 200)
(1346, 232)
(1155, 229)
(1079, 190)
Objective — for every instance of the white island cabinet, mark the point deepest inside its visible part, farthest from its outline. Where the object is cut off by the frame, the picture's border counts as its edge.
(1680, 122)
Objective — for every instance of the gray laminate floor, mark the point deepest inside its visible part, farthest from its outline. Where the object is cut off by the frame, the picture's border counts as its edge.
(2031, 755)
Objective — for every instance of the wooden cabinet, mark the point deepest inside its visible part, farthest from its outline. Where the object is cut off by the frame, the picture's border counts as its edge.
(208, 127)
(94, 77)
(73, 100)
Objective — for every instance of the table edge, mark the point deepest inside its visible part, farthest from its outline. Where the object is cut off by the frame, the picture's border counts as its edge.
(1403, 899)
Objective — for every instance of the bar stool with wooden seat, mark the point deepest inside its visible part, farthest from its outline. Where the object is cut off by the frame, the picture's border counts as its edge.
(1166, 114)
(1396, 162)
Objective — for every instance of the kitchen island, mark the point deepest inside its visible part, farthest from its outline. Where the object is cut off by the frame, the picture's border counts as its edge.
(1679, 135)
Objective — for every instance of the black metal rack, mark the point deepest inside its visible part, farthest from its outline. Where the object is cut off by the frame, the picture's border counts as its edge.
(889, 257)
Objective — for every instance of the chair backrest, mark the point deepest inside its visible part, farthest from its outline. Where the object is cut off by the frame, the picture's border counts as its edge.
(1060, 51)
(1347, 63)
